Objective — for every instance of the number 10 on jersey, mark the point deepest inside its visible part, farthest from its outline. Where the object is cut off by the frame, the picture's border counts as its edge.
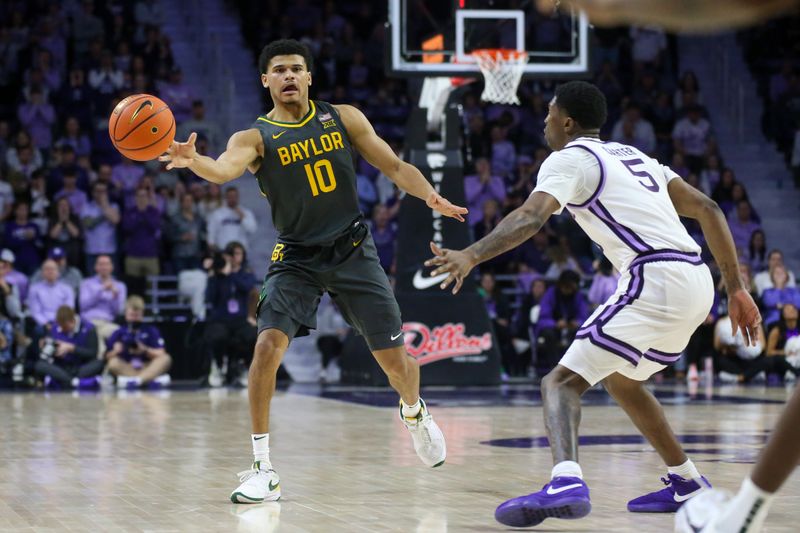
(320, 176)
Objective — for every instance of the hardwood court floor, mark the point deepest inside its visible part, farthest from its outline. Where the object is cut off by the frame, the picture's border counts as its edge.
(167, 461)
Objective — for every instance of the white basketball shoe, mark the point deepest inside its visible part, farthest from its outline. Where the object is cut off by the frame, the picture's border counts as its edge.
(259, 484)
(702, 514)
(428, 438)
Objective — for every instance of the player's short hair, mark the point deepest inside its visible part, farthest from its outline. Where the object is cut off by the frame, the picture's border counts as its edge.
(583, 102)
(284, 47)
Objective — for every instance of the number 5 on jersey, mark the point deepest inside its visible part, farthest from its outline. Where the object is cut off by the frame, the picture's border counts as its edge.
(630, 163)
(320, 176)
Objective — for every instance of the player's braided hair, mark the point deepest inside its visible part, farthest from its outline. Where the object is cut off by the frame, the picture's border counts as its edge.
(583, 102)
(284, 47)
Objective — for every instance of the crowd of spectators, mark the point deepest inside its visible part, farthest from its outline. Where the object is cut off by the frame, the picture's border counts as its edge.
(81, 227)
(772, 51)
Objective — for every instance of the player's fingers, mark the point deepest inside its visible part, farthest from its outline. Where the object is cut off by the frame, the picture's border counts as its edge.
(440, 270)
(170, 166)
(753, 332)
(192, 138)
(459, 282)
(749, 336)
(450, 279)
(434, 261)
(435, 249)
(165, 157)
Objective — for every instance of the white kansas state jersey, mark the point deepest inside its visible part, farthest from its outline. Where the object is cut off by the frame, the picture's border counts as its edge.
(618, 195)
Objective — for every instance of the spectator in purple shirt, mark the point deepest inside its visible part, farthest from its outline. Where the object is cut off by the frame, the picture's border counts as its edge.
(76, 97)
(563, 310)
(100, 218)
(742, 225)
(179, 95)
(126, 176)
(384, 233)
(533, 252)
(76, 197)
(66, 273)
(46, 296)
(604, 283)
(504, 153)
(68, 355)
(38, 117)
(67, 162)
(74, 137)
(102, 299)
(14, 277)
(65, 231)
(22, 238)
(780, 294)
(136, 354)
(480, 187)
(141, 227)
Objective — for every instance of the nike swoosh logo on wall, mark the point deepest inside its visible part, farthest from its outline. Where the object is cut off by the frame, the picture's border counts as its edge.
(275, 136)
(420, 282)
(146, 103)
(559, 490)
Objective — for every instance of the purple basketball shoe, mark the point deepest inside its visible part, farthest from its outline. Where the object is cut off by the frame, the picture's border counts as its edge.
(670, 499)
(564, 497)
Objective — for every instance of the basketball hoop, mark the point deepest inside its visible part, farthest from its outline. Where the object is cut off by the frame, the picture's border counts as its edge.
(502, 72)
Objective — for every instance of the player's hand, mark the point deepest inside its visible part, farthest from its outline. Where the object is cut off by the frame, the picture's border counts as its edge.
(744, 316)
(180, 155)
(455, 262)
(438, 203)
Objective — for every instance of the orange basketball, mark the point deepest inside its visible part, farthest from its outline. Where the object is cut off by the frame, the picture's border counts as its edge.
(141, 127)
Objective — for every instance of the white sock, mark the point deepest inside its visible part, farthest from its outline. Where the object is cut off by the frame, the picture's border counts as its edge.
(687, 470)
(261, 447)
(748, 508)
(567, 468)
(411, 411)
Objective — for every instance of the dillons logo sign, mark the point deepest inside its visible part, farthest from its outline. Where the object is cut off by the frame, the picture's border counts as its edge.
(427, 345)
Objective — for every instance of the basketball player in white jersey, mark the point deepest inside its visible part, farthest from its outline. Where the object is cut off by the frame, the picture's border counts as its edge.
(629, 205)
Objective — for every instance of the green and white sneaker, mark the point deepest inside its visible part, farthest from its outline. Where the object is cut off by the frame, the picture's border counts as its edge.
(259, 484)
(428, 438)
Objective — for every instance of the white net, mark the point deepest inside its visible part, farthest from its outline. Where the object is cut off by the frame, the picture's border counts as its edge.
(502, 72)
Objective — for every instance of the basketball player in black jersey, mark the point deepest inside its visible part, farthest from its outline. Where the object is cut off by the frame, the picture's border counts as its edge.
(301, 154)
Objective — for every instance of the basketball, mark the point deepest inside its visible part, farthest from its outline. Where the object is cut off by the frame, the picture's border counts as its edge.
(141, 127)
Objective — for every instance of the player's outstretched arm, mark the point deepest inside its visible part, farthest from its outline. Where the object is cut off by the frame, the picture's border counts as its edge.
(241, 151)
(675, 15)
(380, 155)
(689, 202)
(519, 226)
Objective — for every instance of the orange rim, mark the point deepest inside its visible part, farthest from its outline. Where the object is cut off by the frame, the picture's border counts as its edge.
(498, 53)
